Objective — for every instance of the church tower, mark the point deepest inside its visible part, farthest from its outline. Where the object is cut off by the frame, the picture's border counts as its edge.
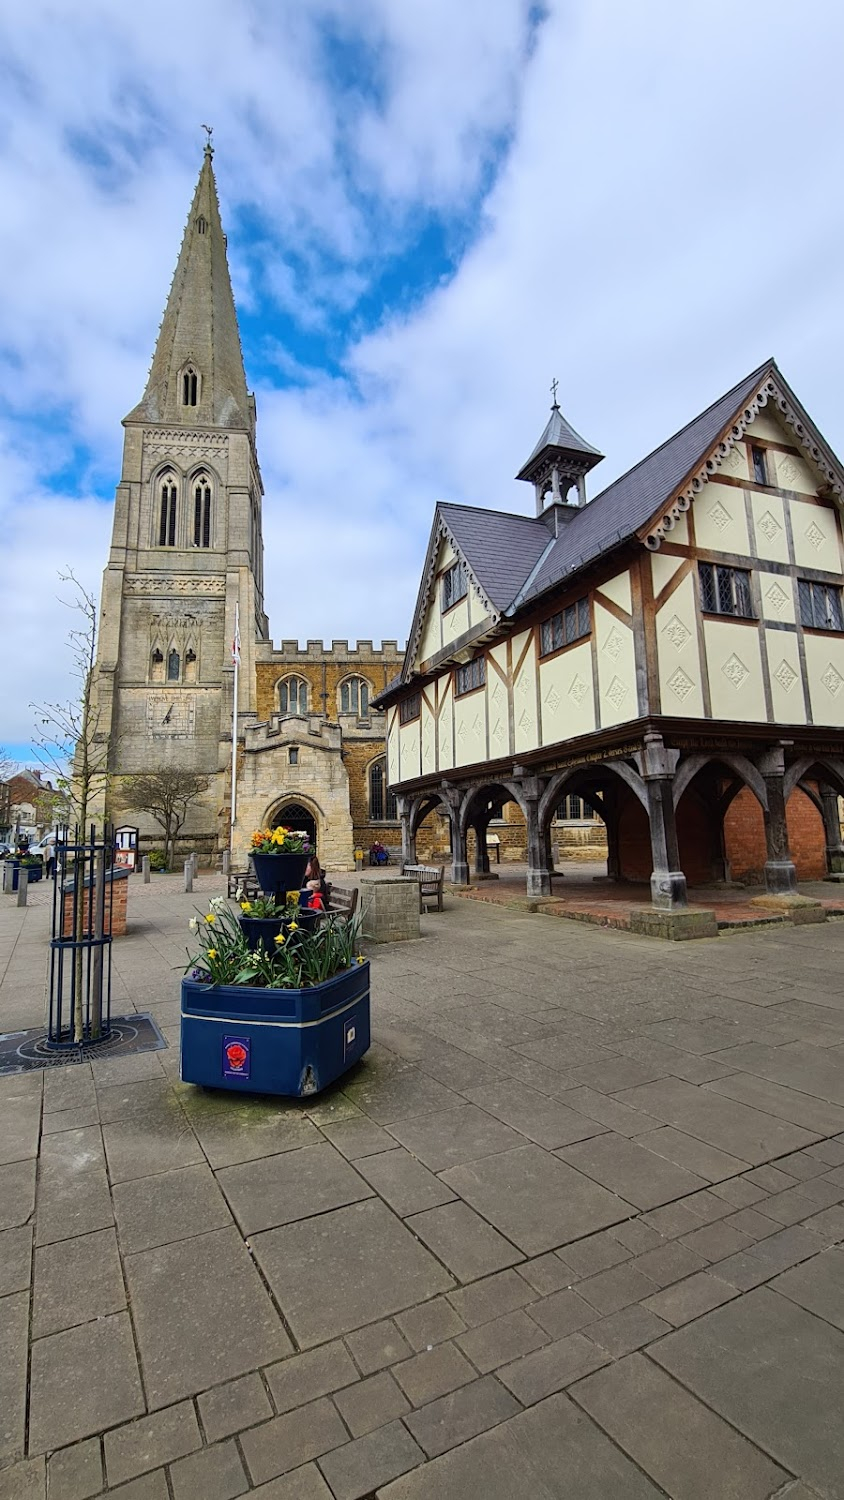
(186, 544)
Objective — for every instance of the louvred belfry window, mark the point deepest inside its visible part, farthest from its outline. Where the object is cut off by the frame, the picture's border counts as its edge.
(202, 512)
(167, 512)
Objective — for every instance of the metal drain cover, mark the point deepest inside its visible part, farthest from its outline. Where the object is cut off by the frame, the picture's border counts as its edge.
(21, 1051)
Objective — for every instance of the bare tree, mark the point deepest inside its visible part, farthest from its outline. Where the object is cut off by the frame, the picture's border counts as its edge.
(70, 741)
(167, 795)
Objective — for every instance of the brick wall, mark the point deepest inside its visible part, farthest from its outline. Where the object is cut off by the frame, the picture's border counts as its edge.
(744, 836)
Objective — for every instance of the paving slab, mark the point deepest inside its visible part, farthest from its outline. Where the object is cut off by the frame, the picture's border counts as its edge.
(735, 1128)
(358, 1137)
(431, 1323)
(629, 1169)
(544, 1121)
(776, 1373)
(73, 1191)
(305, 1377)
(497, 1294)
(397, 1093)
(171, 1206)
(552, 1451)
(139, 1148)
(83, 1380)
(371, 1403)
(680, 1444)
(685, 1151)
(75, 1473)
(342, 1269)
(26, 1480)
(281, 1189)
(377, 1346)
(15, 1259)
(246, 1132)
(234, 1406)
(817, 1285)
(20, 1121)
(536, 1200)
(151, 1442)
(289, 1441)
(463, 1241)
(461, 1415)
(14, 1318)
(202, 1315)
(355, 1469)
(76, 1280)
(449, 1137)
(433, 1372)
(403, 1182)
(215, 1473)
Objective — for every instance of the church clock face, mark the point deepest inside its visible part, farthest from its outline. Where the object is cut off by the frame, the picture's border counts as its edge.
(171, 715)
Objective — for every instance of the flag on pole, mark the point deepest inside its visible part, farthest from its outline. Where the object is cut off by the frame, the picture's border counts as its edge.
(236, 640)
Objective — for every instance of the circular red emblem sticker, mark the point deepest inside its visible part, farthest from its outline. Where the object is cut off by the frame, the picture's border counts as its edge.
(235, 1056)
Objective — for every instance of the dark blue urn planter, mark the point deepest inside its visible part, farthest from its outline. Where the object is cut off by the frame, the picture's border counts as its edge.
(260, 930)
(277, 874)
(261, 1041)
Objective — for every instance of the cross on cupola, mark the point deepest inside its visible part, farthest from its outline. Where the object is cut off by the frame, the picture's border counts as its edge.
(559, 462)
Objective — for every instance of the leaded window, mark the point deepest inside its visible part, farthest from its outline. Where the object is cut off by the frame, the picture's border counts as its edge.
(725, 591)
(293, 696)
(470, 676)
(382, 802)
(354, 697)
(455, 585)
(202, 512)
(820, 605)
(760, 467)
(167, 512)
(567, 625)
(410, 708)
(173, 665)
(190, 386)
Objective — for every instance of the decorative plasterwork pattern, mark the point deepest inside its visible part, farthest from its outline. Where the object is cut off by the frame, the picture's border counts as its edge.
(768, 391)
(442, 533)
(199, 584)
(197, 444)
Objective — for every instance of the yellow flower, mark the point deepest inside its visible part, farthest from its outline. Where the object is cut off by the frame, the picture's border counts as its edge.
(361, 959)
(278, 938)
(246, 905)
(293, 927)
(210, 917)
(212, 952)
(292, 897)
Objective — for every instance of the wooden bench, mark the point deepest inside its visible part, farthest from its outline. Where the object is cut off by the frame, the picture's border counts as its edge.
(243, 880)
(342, 903)
(430, 878)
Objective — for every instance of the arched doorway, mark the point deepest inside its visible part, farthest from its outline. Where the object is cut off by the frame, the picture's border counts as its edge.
(294, 815)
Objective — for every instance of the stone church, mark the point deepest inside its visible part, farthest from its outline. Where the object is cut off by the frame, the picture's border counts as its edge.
(186, 561)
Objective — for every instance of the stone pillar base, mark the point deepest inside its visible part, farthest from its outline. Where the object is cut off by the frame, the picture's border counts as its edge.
(389, 909)
(677, 926)
(460, 874)
(668, 890)
(780, 877)
(538, 883)
(800, 909)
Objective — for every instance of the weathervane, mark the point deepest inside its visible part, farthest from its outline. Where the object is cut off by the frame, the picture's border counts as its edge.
(554, 384)
(209, 131)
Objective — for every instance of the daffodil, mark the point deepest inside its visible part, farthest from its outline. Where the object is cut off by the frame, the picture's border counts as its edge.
(361, 959)
(212, 952)
(293, 927)
(278, 938)
(246, 905)
(193, 924)
(210, 917)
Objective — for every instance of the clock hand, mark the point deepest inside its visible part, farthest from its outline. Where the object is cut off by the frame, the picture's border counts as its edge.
(166, 719)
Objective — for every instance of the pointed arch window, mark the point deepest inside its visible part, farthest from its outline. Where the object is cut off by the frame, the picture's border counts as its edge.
(167, 511)
(202, 224)
(293, 696)
(173, 665)
(190, 386)
(202, 511)
(382, 802)
(354, 697)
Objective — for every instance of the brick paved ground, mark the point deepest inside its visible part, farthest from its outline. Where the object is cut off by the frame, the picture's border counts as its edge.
(573, 1230)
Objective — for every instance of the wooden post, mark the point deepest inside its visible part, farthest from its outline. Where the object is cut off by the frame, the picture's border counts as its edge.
(145, 868)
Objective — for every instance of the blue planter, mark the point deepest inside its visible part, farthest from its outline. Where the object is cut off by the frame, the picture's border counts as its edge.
(277, 874)
(34, 872)
(257, 1041)
(260, 930)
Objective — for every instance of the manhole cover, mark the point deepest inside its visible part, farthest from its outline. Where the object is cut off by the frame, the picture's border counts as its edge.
(21, 1051)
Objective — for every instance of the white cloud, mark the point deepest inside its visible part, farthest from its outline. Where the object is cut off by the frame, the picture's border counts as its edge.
(666, 215)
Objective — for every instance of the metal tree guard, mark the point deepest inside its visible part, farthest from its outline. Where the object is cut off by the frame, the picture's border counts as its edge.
(80, 949)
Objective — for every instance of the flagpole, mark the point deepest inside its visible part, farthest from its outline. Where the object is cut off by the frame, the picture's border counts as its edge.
(236, 661)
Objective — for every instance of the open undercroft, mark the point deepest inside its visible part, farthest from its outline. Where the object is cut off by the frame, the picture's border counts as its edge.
(573, 1229)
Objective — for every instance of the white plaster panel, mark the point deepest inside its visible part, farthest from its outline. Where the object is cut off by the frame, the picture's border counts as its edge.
(792, 473)
(409, 752)
(678, 654)
(786, 677)
(825, 667)
(815, 536)
(616, 669)
(766, 425)
(736, 464)
(679, 533)
(618, 590)
(735, 671)
(428, 737)
(456, 621)
(769, 527)
(524, 696)
(446, 723)
(663, 569)
(777, 591)
(446, 555)
(497, 707)
(430, 640)
(720, 520)
(470, 729)
(568, 700)
(393, 747)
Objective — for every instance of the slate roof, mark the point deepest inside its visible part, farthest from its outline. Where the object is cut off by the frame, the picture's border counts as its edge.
(560, 434)
(500, 548)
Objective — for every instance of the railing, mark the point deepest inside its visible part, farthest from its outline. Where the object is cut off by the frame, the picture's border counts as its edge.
(79, 1007)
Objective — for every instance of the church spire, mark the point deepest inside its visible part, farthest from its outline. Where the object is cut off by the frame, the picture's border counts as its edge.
(197, 376)
(560, 460)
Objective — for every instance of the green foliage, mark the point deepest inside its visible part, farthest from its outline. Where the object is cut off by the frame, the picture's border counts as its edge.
(298, 958)
(157, 859)
(268, 906)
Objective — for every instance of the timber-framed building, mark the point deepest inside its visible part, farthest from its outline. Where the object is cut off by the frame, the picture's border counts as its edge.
(671, 651)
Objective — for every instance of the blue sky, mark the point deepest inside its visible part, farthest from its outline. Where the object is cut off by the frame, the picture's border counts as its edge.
(431, 210)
